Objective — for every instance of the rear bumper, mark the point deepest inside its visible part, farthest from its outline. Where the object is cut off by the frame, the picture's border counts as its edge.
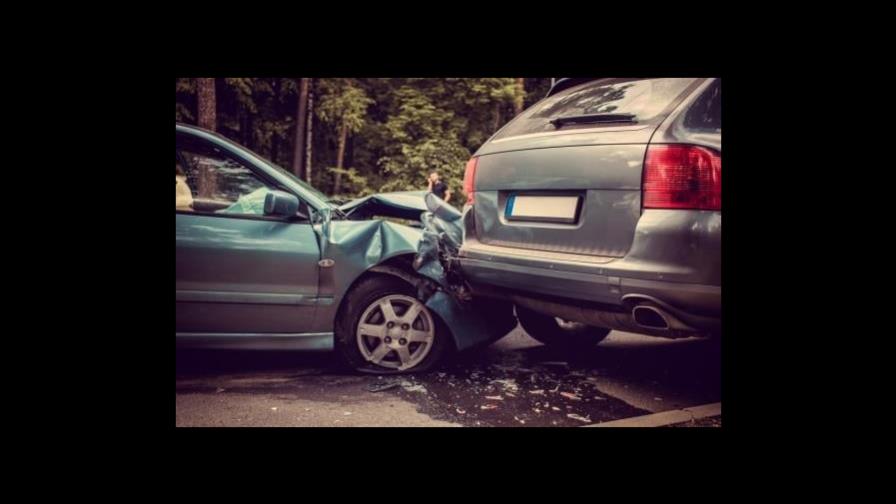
(691, 302)
(619, 282)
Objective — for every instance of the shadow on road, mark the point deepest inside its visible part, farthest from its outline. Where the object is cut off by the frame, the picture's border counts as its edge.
(197, 363)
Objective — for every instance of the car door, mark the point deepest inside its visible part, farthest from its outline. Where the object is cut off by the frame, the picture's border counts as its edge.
(238, 271)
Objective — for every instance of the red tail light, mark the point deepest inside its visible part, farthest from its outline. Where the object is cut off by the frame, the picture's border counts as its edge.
(469, 177)
(682, 177)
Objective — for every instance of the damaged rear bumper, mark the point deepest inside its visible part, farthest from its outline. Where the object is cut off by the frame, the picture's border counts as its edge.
(549, 285)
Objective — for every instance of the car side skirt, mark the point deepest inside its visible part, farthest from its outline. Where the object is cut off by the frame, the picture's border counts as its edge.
(256, 341)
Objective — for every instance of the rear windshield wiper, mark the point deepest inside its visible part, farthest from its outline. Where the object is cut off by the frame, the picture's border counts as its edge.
(593, 118)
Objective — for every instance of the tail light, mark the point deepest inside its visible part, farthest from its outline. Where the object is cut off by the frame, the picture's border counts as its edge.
(682, 177)
(469, 179)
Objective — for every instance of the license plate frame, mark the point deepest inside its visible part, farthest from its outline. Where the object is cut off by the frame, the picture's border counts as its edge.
(559, 208)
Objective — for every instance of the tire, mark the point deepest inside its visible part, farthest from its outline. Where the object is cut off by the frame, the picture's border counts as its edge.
(378, 348)
(547, 330)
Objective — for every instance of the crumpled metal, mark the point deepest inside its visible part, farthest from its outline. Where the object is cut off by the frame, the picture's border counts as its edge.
(407, 205)
(358, 245)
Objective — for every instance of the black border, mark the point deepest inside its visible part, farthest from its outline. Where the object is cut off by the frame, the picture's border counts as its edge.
(746, 254)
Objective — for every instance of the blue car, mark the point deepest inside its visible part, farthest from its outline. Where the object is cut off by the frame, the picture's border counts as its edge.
(265, 261)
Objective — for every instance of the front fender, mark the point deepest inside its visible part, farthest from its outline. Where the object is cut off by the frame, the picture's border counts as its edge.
(351, 248)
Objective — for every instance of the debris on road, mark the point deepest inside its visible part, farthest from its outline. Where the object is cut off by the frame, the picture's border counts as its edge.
(460, 411)
(494, 398)
(570, 396)
(508, 384)
(410, 387)
(578, 417)
(219, 390)
(489, 406)
(537, 392)
(384, 386)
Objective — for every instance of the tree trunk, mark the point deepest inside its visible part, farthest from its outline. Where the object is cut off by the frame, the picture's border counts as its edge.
(497, 117)
(298, 152)
(521, 94)
(340, 155)
(308, 135)
(205, 99)
(206, 118)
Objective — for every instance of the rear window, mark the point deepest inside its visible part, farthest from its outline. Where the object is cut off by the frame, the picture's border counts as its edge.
(644, 98)
(705, 115)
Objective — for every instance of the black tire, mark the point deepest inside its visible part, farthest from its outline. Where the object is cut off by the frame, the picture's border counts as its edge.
(357, 300)
(547, 330)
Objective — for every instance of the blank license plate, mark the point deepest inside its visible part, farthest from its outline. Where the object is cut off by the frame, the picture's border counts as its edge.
(542, 208)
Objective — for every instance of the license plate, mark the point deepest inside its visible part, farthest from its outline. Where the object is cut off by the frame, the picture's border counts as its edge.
(542, 208)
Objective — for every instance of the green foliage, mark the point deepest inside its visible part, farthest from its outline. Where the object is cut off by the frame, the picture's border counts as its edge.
(343, 103)
(353, 183)
(399, 130)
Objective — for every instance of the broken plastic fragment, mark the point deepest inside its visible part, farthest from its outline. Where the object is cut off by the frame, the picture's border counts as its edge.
(507, 384)
(383, 386)
(410, 387)
(579, 417)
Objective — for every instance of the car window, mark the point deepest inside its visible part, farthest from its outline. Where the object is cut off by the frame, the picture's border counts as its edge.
(705, 115)
(645, 98)
(217, 183)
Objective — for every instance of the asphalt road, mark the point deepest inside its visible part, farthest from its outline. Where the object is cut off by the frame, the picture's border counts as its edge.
(515, 382)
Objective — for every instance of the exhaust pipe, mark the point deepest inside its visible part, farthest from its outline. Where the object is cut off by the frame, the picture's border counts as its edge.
(646, 317)
(650, 317)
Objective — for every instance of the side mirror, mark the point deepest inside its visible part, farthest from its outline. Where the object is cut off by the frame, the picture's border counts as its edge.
(440, 208)
(281, 204)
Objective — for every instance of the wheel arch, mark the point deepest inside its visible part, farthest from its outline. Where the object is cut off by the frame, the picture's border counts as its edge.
(398, 266)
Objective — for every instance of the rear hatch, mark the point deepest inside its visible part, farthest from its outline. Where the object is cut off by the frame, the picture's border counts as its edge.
(573, 185)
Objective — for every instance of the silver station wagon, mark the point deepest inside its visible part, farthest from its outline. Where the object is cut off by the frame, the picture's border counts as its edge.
(599, 208)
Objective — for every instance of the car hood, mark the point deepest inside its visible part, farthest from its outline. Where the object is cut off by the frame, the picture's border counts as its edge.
(360, 243)
(407, 205)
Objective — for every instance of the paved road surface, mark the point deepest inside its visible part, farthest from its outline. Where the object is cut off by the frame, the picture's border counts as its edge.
(515, 382)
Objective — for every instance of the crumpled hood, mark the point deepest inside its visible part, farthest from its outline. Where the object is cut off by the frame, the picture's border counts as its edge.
(406, 205)
(354, 246)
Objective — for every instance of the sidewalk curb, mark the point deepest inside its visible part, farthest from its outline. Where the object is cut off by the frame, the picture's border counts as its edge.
(666, 417)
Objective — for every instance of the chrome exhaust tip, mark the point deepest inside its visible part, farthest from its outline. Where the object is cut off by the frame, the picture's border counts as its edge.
(650, 317)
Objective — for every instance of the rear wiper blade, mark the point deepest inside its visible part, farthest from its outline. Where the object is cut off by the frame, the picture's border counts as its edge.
(593, 118)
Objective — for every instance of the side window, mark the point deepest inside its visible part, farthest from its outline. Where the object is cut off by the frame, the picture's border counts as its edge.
(705, 115)
(218, 183)
(211, 181)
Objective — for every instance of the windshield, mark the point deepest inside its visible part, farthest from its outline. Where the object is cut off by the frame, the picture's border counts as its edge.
(644, 98)
(305, 185)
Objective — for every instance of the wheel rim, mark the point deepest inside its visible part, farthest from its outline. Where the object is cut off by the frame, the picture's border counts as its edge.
(396, 332)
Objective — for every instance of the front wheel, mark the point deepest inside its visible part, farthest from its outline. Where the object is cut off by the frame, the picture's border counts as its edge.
(384, 329)
(553, 331)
